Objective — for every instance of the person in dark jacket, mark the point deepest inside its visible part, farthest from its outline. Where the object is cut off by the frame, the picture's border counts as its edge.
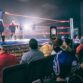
(63, 62)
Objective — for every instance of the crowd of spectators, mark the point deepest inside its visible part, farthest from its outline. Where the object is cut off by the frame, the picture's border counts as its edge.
(66, 58)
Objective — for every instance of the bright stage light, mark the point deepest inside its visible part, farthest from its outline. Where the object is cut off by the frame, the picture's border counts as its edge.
(27, 27)
(7, 13)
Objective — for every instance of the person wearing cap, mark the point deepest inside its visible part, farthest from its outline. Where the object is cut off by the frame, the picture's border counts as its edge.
(6, 60)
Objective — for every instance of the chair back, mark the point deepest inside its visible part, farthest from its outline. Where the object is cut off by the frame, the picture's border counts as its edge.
(15, 74)
(40, 69)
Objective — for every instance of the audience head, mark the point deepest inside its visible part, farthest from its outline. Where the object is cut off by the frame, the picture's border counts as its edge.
(67, 41)
(33, 43)
(46, 48)
(57, 42)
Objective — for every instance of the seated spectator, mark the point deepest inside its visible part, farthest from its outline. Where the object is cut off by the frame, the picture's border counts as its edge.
(34, 53)
(6, 60)
(79, 52)
(80, 47)
(67, 46)
(63, 62)
(46, 49)
(80, 56)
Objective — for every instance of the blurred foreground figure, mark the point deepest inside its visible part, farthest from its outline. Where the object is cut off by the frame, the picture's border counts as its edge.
(6, 60)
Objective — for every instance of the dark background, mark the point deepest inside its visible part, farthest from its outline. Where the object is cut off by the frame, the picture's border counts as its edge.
(53, 9)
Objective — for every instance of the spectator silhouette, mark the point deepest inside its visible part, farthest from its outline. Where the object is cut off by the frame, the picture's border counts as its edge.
(34, 53)
(6, 60)
(80, 47)
(63, 62)
(67, 46)
(79, 51)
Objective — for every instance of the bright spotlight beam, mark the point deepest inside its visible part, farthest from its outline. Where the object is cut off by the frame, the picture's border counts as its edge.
(8, 13)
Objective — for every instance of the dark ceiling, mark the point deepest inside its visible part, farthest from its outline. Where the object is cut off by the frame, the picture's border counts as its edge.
(53, 9)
